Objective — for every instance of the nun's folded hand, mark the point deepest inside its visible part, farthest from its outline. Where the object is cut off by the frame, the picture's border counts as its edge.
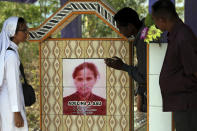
(18, 120)
(114, 62)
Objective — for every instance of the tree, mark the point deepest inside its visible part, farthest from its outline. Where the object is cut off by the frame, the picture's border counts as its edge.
(180, 8)
(94, 27)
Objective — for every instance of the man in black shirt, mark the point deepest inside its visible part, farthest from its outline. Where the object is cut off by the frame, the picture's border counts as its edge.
(129, 25)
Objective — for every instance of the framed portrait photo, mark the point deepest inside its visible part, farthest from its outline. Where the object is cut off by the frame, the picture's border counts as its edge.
(84, 87)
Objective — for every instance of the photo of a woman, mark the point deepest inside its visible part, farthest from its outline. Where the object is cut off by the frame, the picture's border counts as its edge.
(83, 101)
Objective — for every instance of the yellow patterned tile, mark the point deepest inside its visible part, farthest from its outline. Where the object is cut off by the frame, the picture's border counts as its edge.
(52, 90)
(52, 122)
(52, 100)
(44, 68)
(107, 44)
(73, 49)
(122, 48)
(119, 49)
(118, 101)
(127, 60)
(117, 78)
(51, 72)
(96, 123)
(96, 49)
(51, 49)
(118, 123)
(111, 78)
(73, 123)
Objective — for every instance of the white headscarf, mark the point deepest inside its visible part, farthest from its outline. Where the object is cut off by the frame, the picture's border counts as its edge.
(8, 30)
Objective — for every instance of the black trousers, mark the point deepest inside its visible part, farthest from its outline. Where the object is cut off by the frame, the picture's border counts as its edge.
(185, 121)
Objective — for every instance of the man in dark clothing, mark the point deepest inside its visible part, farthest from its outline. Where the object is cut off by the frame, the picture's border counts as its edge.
(178, 77)
(129, 25)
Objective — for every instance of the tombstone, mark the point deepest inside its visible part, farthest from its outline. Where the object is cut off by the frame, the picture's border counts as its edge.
(59, 58)
(157, 119)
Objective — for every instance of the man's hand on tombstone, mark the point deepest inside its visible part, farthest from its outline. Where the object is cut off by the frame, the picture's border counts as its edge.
(115, 62)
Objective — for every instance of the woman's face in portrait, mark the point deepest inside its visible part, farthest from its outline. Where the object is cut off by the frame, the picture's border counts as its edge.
(85, 80)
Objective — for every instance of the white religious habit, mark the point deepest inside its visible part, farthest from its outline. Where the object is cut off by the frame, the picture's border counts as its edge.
(11, 93)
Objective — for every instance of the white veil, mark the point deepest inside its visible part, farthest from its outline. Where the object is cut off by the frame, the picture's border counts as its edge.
(8, 30)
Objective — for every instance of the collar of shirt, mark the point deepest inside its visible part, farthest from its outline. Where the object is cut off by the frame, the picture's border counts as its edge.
(83, 98)
(137, 37)
(15, 47)
(171, 35)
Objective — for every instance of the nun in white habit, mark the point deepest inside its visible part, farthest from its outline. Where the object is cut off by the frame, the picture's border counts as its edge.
(12, 108)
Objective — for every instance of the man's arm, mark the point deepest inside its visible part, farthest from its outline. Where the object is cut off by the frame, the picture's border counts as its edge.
(115, 62)
(133, 71)
(195, 74)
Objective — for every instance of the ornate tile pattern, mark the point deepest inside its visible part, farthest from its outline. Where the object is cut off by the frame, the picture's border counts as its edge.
(118, 123)
(73, 49)
(117, 78)
(96, 123)
(118, 91)
(51, 49)
(74, 123)
(52, 123)
(117, 101)
(52, 101)
(51, 72)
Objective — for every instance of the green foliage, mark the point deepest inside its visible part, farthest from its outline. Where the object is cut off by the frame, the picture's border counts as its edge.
(31, 13)
(180, 11)
(94, 27)
(148, 20)
(137, 5)
(180, 8)
(48, 7)
(29, 54)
